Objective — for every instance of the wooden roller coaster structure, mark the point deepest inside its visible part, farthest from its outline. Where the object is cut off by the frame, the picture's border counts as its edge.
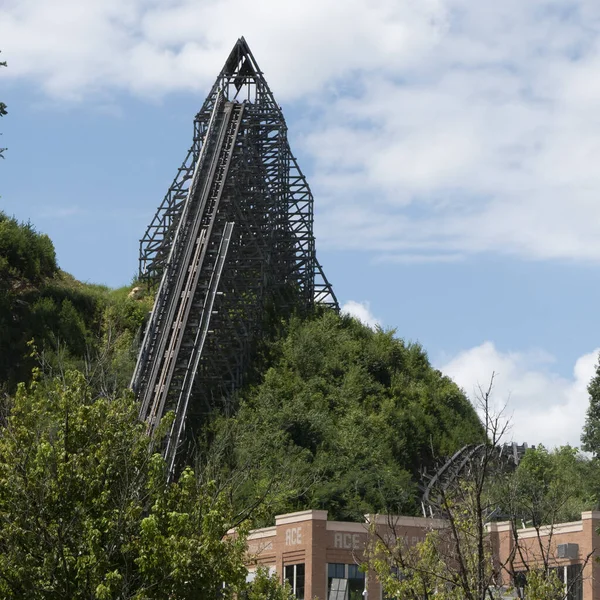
(232, 240)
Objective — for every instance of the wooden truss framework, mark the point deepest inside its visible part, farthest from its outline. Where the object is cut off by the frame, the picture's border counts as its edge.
(232, 237)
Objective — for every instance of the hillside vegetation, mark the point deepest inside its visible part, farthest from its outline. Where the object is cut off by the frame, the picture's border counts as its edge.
(338, 416)
(71, 324)
(346, 417)
(335, 416)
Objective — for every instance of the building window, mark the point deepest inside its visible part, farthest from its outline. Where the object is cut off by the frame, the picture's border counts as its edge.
(574, 582)
(294, 575)
(571, 576)
(337, 584)
(345, 582)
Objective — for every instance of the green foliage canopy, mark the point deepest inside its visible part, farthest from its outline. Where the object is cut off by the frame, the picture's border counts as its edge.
(350, 416)
(25, 255)
(265, 587)
(548, 487)
(590, 437)
(85, 510)
(74, 325)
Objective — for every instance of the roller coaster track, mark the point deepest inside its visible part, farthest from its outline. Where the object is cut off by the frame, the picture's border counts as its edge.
(458, 466)
(231, 241)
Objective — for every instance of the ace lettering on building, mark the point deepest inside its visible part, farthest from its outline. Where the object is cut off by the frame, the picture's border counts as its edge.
(347, 541)
(293, 536)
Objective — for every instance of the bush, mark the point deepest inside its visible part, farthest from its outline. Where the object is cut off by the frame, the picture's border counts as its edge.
(24, 253)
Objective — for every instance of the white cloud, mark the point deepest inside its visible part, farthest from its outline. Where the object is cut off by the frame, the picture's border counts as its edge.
(150, 47)
(362, 312)
(437, 127)
(543, 407)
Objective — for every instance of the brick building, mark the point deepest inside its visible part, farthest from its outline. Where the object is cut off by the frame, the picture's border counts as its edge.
(572, 549)
(321, 558)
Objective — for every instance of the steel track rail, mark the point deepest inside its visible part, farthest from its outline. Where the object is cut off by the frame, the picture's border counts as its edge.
(168, 325)
(189, 275)
(176, 433)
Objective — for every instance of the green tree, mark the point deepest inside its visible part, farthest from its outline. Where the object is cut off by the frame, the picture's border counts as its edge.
(456, 563)
(25, 255)
(590, 437)
(345, 417)
(452, 563)
(429, 570)
(181, 549)
(265, 587)
(27, 259)
(460, 553)
(543, 585)
(549, 487)
(457, 560)
(85, 510)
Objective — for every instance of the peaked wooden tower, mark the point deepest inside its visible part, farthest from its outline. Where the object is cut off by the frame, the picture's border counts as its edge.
(232, 240)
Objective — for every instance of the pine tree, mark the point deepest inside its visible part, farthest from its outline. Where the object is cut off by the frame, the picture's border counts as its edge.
(590, 437)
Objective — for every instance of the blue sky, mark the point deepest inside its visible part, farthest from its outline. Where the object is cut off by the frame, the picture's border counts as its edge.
(452, 147)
